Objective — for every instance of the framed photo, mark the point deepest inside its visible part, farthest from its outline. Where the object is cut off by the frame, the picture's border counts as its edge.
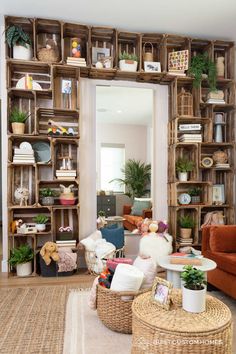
(161, 293)
(152, 66)
(99, 53)
(66, 86)
(107, 62)
(218, 194)
(178, 61)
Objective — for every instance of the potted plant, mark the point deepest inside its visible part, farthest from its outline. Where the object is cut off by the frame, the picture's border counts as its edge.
(194, 289)
(20, 41)
(183, 166)
(21, 258)
(41, 221)
(47, 195)
(186, 223)
(203, 67)
(195, 193)
(137, 177)
(18, 119)
(128, 62)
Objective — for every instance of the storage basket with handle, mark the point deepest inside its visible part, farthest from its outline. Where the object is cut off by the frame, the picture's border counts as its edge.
(114, 308)
(147, 55)
(92, 260)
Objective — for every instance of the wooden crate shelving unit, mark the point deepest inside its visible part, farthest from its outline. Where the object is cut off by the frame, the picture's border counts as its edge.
(49, 103)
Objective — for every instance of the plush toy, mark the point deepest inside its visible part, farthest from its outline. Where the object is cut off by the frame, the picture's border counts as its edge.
(142, 227)
(49, 251)
(50, 52)
(15, 224)
(153, 227)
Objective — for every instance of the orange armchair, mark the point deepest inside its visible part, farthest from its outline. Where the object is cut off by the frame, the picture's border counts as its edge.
(130, 222)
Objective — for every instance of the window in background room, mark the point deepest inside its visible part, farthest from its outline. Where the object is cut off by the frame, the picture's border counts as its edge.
(112, 161)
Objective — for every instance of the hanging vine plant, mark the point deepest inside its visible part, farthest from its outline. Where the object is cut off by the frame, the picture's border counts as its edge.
(201, 64)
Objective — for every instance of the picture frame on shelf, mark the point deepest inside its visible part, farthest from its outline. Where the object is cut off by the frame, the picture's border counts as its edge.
(99, 53)
(66, 86)
(218, 194)
(161, 293)
(152, 66)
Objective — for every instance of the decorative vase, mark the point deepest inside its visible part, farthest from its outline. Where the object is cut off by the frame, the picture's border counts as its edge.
(183, 176)
(220, 156)
(220, 67)
(47, 200)
(21, 52)
(185, 233)
(195, 199)
(24, 269)
(18, 128)
(128, 65)
(147, 55)
(194, 300)
(40, 227)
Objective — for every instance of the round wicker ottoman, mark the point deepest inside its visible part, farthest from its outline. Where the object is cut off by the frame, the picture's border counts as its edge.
(156, 330)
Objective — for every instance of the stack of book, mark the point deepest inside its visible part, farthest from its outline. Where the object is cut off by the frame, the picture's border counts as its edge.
(190, 138)
(185, 241)
(69, 175)
(190, 127)
(23, 156)
(66, 244)
(222, 165)
(76, 61)
(215, 101)
(185, 258)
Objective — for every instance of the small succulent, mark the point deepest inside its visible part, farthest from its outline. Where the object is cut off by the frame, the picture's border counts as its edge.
(127, 56)
(194, 279)
(41, 219)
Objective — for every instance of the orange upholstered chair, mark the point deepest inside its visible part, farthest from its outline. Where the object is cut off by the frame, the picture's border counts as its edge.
(130, 222)
(219, 244)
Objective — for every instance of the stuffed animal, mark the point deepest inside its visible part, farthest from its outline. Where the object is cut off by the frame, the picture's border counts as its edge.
(22, 196)
(50, 52)
(15, 224)
(49, 251)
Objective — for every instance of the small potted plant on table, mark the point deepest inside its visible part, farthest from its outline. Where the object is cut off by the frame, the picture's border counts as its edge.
(183, 166)
(20, 41)
(18, 119)
(47, 195)
(21, 258)
(41, 221)
(195, 194)
(194, 289)
(186, 223)
(128, 62)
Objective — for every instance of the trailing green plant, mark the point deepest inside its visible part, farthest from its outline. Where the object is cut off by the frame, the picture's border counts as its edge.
(101, 213)
(137, 177)
(202, 64)
(15, 35)
(47, 192)
(127, 56)
(41, 219)
(194, 191)
(186, 222)
(20, 255)
(183, 164)
(18, 116)
(194, 279)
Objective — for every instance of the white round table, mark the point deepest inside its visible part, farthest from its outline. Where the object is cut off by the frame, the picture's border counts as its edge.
(174, 270)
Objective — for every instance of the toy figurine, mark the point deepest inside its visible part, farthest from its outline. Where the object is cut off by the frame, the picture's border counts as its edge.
(15, 224)
(22, 196)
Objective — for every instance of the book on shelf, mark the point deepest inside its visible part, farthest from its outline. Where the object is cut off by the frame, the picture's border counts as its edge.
(185, 255)
(176, 73)
(189, 127)
(60, 178)
(186, 261)
(19, 151)
(222, 165)
(215, 101)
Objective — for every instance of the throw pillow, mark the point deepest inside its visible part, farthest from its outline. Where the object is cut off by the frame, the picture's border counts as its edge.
(149, 269)
(114, 236)
(139, 206)
(112, 226)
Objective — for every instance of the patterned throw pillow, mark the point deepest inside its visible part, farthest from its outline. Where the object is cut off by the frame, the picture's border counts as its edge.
(139, 206)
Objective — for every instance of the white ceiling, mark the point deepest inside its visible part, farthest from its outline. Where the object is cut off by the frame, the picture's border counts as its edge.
(200, 18)
(124, 105)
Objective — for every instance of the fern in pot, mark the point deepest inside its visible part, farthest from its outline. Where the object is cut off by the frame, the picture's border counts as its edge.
(194, 289)
(186, 223)
(21, 258)
(183, 166)
(41, 221)
(18, 119)
(20, 42)
(128, 62)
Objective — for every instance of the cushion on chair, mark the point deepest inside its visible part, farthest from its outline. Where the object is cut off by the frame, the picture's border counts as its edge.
(224, 261)
(133, 219)
(114, 236)
(223, 238)
(139, 205)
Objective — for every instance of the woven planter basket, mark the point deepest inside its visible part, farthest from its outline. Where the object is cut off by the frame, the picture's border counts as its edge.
(115, 312)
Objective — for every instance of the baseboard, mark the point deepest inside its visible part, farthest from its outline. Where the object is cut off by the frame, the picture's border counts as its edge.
(4, 266)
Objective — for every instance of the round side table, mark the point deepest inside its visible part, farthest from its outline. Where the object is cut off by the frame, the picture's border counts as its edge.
(159, 331)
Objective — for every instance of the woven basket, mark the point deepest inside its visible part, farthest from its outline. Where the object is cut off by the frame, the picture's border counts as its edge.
(91, 259)
(114, 311)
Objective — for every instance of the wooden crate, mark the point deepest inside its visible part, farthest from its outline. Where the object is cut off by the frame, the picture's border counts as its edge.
(48, 30)
(102, 37)
(65, 147)
(155, 44)
(130, 42)
(78, 31)
(55, 186)
(177, 188)
(207, 150)
(187, 85)
(175, 43)
(44, 99)
(226, 50)
(71, 75)
(201, 46)
(66, 217)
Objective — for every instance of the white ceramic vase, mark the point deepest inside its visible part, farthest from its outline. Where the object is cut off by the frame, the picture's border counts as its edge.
(41, 227)
(183, 176)
(21, 52)
(24, 269)
(128, 65)
(194, 300)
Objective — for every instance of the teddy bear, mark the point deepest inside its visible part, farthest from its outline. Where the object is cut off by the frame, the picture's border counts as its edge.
(49, 251)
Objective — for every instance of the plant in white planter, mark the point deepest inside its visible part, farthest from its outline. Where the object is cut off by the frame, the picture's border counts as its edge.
(194, 289)
(41, 221)
(186, 223)
(20, 41)
(47, 195)
(21, 258)
(128, 62)
(18, 119)
(195, 194)
(183, 166)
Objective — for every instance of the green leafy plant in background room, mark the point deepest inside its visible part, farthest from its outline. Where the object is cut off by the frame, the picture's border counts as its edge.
(127, 56)
(15, 35)
(201, 65)
(20, 255)
(183, 164)
(137, 177)
(194, 279)
(186, 222)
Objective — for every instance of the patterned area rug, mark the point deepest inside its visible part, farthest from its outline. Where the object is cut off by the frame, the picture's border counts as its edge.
(32, 320)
